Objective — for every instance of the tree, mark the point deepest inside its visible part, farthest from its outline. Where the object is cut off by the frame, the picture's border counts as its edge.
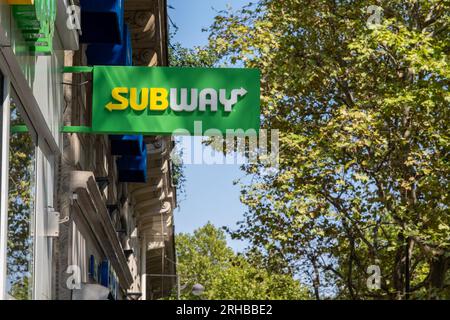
(191, 57)
(205, 258)
(363, 114)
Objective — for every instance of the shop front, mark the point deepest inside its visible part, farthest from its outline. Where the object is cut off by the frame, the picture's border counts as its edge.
(31, 92)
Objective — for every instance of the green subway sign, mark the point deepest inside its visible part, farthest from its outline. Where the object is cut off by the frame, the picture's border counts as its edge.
(163, 100)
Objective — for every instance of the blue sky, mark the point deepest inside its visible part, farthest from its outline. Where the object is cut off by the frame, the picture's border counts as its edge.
(191, 16)
(210, 193)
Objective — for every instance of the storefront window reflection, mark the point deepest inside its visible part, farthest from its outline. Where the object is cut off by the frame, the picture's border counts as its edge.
(21, 209)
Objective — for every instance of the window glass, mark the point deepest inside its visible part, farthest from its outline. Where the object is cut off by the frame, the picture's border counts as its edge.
(21, 209)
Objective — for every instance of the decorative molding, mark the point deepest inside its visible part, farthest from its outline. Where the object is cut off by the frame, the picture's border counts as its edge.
(91, 203)
(144, 23)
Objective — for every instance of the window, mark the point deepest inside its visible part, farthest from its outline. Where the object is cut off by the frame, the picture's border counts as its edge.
(21, 208)
(4, 138)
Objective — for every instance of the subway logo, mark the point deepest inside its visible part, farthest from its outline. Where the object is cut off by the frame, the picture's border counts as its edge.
(184, 99)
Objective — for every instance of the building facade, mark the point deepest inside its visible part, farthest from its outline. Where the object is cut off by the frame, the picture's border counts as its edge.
(82, 215)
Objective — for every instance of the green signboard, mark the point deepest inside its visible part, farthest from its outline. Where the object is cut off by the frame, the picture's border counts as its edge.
(163, 100)
(36, 22)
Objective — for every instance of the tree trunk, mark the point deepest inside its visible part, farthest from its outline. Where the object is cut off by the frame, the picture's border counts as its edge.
(439, 267)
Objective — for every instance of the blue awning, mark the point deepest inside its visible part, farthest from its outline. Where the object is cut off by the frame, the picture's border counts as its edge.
(127, 145)
(102, 21)
(111, 54)
(133, 168)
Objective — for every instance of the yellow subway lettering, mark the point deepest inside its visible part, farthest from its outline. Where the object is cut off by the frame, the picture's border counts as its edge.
(117, 95)
(135, 105)
(159, 99)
